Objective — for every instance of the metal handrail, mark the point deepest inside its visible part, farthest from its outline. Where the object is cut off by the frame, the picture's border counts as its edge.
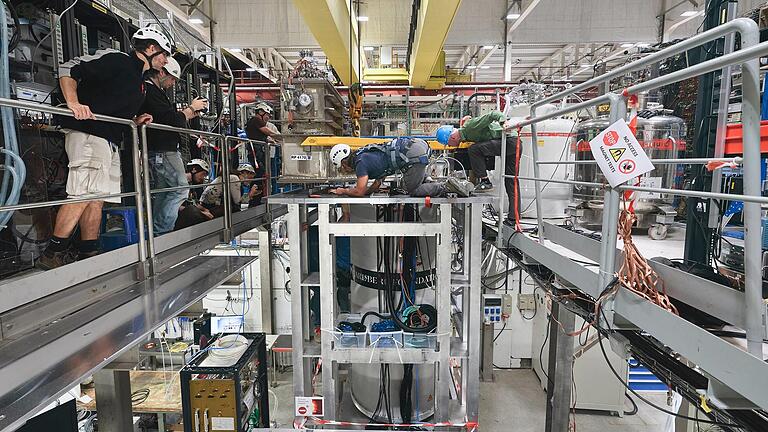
(748, 57)
(65, 201)
(691, 161)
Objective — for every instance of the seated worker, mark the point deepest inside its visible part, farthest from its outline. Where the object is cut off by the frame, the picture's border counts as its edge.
(408, 156)
(191, 212)
(485, 133)
(212, 197)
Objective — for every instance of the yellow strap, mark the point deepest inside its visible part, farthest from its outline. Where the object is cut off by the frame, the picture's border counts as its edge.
(704, 405)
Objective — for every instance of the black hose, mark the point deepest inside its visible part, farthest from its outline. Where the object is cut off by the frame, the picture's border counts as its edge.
(17, 27)
(634, 406)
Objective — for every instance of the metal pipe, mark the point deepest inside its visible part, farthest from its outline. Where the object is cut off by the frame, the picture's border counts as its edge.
(679, 192)
(741, 25)
(148, 201)
(28, 206)
(34, 106)
(178, 188)
(691, 161)
(163, 127)
(139, 198)
(536, 173)
(226, 196)
(502, 189)
(578, 107)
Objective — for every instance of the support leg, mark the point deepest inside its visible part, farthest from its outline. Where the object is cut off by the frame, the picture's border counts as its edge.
(560, 382)
(113, 391)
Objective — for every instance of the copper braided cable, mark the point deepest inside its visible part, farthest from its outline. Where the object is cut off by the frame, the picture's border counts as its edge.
(635, 274)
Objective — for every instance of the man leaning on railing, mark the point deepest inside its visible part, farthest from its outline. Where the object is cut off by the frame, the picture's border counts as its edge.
(108, 83)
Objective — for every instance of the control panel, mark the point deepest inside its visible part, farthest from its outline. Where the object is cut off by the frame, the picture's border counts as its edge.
(492, 308)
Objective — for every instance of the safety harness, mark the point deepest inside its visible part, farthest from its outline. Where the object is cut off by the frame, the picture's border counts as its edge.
(397, 151)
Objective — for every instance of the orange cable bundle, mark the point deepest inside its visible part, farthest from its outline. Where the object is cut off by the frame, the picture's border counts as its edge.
(635, 274)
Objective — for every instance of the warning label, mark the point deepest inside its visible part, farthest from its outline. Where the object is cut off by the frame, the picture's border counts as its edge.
(616, 153)
(619, 155)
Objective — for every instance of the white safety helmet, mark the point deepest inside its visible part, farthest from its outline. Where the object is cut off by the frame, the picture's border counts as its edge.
(246, 167)
(173, 68)
(199, 163)
(339, 152)
(151, 33)
(264, 106)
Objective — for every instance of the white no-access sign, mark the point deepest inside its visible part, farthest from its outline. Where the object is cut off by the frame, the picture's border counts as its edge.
(619, 155)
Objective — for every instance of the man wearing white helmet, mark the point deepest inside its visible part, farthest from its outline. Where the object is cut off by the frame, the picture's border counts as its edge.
(213, 195)
(257, 128)
(166, 167)
(406, 156)
(111, 83)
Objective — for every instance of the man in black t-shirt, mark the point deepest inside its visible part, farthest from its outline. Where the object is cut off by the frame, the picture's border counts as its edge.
(258, 129)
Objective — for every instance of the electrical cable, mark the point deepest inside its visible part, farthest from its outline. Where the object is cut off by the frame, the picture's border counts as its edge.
(500, 332)
(17, 26)
(634, 406)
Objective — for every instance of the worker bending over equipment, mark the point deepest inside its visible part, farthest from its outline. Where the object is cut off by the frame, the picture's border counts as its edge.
(408, 156)
(485, 133)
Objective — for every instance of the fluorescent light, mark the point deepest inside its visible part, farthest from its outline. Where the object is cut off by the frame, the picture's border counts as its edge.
(689, 13)
(195, 21)
(513, 16)
(368, 48)
(471, 67)
(585, 65)
(643, 45)
(485, 67)
(489, 46)
(235, 50)
(250, 69)
(362, 18)
(627, 45)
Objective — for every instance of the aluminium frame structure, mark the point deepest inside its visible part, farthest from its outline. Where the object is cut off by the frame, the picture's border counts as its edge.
(458, 339)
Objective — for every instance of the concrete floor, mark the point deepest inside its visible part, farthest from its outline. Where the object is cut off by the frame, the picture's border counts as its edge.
(514, 402)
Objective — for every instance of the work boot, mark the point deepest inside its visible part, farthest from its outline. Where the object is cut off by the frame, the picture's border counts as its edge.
(85, 255)
(52, 260)
(461, 188)
(485, 185)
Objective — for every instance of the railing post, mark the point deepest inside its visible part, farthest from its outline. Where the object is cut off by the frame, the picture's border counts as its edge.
(227, 197)
(753, 291)
(143, 269)
(502, 189)
(537, 174)
(611, 203)
(148, 201)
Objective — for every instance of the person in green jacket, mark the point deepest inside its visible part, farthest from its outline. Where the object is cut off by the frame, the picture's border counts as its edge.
(485, 133)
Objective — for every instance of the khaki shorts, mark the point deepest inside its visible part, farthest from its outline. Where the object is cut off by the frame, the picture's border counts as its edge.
(94, 166)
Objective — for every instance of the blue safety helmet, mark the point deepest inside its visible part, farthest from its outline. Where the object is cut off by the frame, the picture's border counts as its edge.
(444, 133)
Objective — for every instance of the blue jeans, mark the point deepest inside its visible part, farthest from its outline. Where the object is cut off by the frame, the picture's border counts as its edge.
(166, 169)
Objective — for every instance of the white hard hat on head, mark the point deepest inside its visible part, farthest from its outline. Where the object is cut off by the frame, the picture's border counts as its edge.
(246, 167)
(200, 163)
(339, 152)
(151, 33)
(264, 106)
(173, 68)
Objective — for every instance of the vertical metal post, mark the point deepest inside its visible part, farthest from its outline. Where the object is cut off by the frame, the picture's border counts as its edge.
(302, 385)
(537, 173)
(443, 300)
(137, 184)
(327, 309)
(610, 229)
(560, 369)
(148, 201)
(113, 388)
(752, 242)
(487, 353)
(502, 190)
(265, 277)
(268, 171)
(408, 110)
(227, 197)
(474, 290)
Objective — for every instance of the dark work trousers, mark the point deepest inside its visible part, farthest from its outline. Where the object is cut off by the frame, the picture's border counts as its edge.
(479, 151)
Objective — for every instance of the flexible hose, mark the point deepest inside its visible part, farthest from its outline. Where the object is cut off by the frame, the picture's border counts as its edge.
(14, 166)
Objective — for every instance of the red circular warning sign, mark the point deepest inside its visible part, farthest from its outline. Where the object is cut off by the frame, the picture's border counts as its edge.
(627, 166)
(610, 138)
(302, 410)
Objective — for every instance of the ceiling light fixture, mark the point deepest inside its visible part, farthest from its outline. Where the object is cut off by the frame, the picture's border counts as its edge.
(485, 67)
(250, 69)
(643, 45)
(368, 48)
(235, 50)
(627, 45)
(513, 16)
(471, 67)
(689, 13)
(362, 18)
(489, 46)
(195, 21)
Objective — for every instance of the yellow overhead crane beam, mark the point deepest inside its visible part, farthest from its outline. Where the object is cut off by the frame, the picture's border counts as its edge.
(329, 21)
(357, 142)
(434, 22)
